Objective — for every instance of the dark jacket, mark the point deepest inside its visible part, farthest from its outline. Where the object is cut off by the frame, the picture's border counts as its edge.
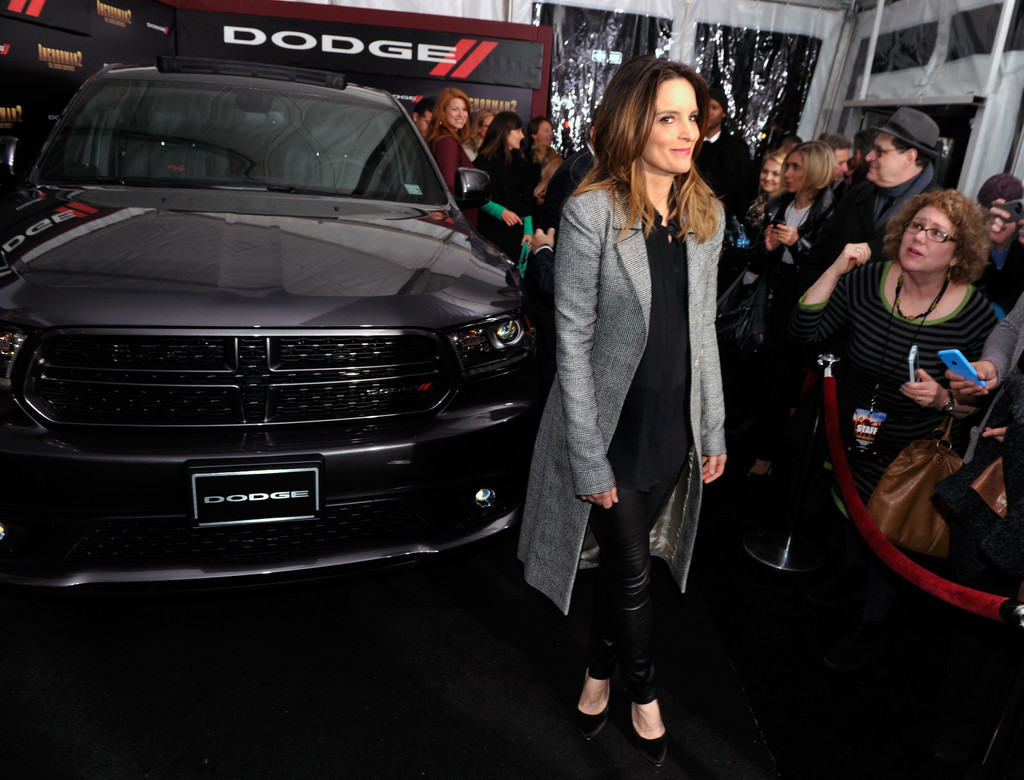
(725, 166)
(1003, 286)
(809, 232)
(979, 539)
(563, 183)
(852, 222)
(512, 186)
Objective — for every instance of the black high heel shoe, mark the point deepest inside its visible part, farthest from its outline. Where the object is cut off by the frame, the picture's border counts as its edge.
(654, 750)
(591, 725)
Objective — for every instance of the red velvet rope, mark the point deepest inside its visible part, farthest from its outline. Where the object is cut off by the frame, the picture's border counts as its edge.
(980, 603)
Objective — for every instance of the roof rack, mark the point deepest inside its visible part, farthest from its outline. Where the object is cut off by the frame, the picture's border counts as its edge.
(323, 78)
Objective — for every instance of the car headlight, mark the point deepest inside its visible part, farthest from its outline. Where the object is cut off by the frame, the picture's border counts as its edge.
(493, 345)
(11, 340)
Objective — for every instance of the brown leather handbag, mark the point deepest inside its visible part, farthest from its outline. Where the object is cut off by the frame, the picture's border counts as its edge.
(905, 506)
(991, 486)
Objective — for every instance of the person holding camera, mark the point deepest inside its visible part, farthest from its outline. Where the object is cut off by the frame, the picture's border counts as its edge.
(1003, 279)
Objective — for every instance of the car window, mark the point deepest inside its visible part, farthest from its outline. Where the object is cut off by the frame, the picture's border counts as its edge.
(152, 133)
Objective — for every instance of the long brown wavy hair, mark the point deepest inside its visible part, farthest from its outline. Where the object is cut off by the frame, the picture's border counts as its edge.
(438, 127)
(622, 125)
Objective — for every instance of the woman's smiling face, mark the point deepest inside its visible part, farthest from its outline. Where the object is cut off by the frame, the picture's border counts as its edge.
(456, 113)
(669, 148)
(771, 173)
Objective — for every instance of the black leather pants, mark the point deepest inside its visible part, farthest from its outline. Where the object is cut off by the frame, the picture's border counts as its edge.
(622, 622)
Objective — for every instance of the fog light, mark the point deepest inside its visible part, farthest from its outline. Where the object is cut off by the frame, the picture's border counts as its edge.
(484, 498)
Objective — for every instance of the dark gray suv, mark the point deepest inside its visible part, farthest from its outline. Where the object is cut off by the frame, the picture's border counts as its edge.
(246, 334)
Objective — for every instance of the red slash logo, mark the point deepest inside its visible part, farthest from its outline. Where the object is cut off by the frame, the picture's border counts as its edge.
(34, 7)
(476, 51)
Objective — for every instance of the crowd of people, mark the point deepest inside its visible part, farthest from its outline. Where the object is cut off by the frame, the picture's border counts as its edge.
(861, 250)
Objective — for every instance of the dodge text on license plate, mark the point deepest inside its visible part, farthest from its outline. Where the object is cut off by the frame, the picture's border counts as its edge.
(222, 496)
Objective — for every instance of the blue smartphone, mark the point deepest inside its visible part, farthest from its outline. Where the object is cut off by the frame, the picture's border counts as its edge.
(955, 360)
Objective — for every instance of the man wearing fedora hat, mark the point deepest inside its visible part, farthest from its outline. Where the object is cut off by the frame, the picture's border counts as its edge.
(900, 167)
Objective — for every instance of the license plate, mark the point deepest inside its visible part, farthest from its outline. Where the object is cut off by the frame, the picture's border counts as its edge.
(265, 494)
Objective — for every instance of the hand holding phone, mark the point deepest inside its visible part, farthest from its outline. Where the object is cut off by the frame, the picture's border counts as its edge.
(1015, 208)
(955, 361)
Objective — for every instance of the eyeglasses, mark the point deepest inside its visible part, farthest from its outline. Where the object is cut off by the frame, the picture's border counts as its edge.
(932, 234)
(879, 151)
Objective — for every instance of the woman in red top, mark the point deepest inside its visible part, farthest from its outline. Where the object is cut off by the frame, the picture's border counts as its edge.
(447, 132)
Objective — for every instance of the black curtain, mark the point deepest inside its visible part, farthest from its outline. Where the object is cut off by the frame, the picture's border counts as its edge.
(766, 77)
(589, 45)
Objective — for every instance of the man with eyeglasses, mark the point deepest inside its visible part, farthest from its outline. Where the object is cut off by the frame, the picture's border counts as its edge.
(900, 167)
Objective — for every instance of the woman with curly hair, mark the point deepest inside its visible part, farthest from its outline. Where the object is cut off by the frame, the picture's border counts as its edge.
(922, 295)
(634, 424)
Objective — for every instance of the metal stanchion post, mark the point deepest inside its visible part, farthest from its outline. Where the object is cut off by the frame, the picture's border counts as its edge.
(787, 551)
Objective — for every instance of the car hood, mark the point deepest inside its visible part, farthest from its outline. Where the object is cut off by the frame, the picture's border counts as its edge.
(199, 258)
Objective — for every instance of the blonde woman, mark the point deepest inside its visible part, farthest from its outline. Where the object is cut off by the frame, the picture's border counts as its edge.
(477, 130)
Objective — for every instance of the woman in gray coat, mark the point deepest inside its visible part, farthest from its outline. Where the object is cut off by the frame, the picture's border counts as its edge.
(635, 421)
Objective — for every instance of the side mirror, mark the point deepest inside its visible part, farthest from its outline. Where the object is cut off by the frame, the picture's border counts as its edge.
(472, 188)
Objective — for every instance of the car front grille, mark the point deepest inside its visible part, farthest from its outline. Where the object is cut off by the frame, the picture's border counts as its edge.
(354, 525)
(187, 379)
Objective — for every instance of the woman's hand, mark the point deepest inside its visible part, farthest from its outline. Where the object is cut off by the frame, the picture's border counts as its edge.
(510, 218)
(966, 391)
(605, 499)
(786, 234)
(771, 238)
(926, 392)
(711, 467)
(528, 240)
(995, 433)
(851, 256)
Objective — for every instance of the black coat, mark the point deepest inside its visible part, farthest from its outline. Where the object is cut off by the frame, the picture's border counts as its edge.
(512, 186)
(810, 232)
(725, 166)
(1004, 286)
(979, 539)
(852, 222)
(563, 183)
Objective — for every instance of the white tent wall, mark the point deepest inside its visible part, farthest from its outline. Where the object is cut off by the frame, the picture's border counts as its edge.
(490, 10)
(963, 82)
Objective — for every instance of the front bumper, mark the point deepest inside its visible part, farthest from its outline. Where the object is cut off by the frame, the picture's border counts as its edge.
(101, 507)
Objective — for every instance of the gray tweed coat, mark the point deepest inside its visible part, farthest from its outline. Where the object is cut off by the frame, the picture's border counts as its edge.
(603, 307)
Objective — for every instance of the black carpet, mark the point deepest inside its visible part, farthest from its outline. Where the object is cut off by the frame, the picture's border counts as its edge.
(455, 669)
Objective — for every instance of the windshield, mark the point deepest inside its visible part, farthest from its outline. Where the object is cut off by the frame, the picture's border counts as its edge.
(180, 134)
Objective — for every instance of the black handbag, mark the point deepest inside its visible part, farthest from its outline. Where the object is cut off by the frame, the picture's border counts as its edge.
(742, 318)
